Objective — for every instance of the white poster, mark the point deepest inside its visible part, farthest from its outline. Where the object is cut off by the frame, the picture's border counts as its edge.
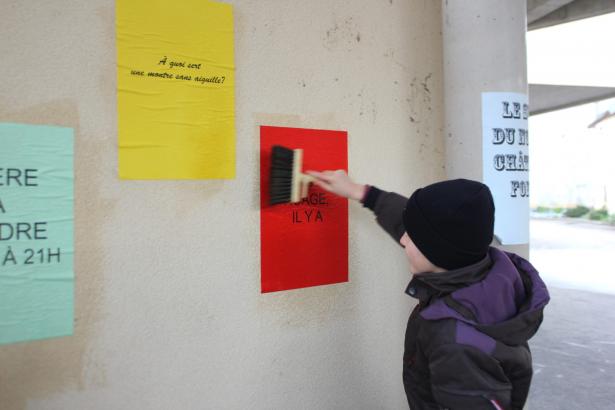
(506, 164)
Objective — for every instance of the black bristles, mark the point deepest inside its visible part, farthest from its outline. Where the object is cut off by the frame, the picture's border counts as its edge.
(281, 175)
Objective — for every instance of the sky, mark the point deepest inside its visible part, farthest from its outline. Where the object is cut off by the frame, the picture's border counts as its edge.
(576, 53)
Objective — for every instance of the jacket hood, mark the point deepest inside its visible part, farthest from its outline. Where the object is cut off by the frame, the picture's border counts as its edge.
(504, 300)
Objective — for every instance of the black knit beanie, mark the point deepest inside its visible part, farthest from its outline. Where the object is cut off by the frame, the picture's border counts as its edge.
(451, 222)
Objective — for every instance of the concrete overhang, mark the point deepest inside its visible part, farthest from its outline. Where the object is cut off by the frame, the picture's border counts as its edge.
(545, 13)
(545, 97)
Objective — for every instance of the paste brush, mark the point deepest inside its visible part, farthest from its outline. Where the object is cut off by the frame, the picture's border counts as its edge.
(288, 183)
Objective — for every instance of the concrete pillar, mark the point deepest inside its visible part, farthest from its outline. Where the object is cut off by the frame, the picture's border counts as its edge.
(484, 50)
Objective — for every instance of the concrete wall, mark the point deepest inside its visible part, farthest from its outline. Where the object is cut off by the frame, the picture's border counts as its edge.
(483, 51)
(168, 306)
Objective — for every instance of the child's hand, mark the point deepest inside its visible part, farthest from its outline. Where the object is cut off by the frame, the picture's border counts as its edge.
(339, 183)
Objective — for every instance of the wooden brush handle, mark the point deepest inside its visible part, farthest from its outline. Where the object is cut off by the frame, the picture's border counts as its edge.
(305, 181)
(301, 182)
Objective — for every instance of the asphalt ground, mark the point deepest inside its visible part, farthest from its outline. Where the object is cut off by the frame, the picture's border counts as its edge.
(574, 350)
(574, 353)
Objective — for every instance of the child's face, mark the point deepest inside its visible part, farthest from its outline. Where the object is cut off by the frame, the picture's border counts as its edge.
(418, 262)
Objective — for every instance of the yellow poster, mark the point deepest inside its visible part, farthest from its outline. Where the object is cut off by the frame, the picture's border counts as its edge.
(176, 115)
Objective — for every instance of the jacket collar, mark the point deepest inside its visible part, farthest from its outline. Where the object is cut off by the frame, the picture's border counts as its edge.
(425, 286)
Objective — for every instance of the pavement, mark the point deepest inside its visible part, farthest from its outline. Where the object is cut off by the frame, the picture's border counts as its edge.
(574, 350)
(574, 254)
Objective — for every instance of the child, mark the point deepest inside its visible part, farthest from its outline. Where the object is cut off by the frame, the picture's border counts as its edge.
(466, 340)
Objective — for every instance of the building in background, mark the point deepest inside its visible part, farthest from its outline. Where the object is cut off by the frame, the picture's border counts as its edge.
(573, 153)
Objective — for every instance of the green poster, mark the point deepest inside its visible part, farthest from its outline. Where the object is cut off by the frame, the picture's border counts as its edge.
(36, 232)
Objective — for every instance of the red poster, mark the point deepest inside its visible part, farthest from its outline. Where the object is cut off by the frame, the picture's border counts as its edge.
(304, 244)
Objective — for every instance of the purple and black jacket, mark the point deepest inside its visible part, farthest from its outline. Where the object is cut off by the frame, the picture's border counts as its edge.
(466, 340)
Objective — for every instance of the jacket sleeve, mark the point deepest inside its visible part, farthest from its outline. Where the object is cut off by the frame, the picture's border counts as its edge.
(388, 208)
(465, 378)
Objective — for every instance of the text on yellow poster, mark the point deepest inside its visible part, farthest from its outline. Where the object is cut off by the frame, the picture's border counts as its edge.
(175, 89)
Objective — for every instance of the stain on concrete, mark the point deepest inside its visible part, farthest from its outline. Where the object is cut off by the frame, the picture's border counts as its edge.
(306, 307)
(419, 98)
(342, 36)
(365, 104)
(107, 81)
(424, 84)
